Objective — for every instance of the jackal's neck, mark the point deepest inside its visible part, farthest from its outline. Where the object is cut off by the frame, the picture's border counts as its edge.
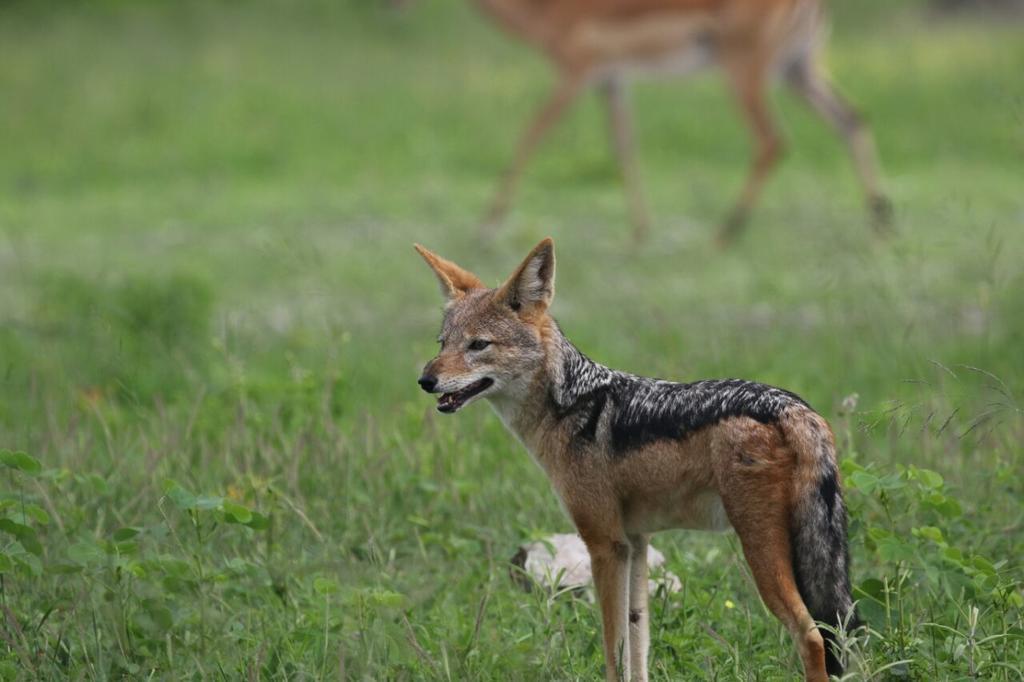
(565, 376)
(572, 374)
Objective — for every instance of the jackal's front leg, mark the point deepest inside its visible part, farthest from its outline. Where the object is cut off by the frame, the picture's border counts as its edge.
(639, 619)
(610, 563)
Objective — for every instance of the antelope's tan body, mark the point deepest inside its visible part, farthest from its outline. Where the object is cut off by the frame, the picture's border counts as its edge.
(604, 43)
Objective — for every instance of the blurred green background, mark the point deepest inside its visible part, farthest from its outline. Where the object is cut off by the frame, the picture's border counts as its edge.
(206, 277)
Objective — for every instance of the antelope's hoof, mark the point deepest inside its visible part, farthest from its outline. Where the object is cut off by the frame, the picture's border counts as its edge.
(641, 229)
(882, 213)
(731, 229)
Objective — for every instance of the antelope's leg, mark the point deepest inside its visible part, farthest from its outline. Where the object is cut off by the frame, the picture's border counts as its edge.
(556, 105)
(807, 80)
(620, 122)
(748, 78)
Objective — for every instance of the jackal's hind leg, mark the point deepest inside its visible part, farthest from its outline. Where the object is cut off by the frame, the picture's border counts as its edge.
(756, 500)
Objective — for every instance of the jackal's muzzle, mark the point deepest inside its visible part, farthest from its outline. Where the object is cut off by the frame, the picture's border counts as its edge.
(450, 402)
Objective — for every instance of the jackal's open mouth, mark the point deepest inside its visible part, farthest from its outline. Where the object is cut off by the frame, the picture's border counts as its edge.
(449, 402)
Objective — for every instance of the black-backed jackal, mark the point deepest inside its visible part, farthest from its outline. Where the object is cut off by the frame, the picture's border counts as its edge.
(629, 455)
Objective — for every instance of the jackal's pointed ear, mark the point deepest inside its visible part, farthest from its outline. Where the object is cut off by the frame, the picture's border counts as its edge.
(532, 286)
(455, 281)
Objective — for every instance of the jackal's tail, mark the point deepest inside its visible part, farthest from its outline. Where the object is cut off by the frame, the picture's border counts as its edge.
(821, 557)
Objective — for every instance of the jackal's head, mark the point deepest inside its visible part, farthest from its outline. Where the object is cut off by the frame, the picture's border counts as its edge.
(491, 339)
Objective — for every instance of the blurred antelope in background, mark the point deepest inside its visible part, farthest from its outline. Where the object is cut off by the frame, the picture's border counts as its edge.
(602, 43)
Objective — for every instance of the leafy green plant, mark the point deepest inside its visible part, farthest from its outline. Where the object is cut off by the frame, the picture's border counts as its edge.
(916, 517)
(20, 516)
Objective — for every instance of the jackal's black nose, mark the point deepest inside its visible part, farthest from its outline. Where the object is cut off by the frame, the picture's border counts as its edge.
(427, 383)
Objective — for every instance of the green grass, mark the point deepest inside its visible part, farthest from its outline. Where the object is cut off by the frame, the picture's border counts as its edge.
(206, 277)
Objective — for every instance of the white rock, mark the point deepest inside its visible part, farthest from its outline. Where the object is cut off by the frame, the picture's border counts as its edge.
(561, 562)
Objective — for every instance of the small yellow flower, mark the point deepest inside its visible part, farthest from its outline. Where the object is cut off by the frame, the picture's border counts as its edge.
(729, 604)
(235, 493)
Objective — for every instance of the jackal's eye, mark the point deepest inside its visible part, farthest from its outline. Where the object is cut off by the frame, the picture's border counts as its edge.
(478, 344)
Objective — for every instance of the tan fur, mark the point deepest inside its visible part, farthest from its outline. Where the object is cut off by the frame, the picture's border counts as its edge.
(800, 431)
(738, 472)
(455, 282)
(601, 42)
